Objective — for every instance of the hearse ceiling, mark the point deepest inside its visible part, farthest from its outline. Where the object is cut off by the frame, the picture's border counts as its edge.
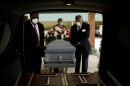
(23, 7)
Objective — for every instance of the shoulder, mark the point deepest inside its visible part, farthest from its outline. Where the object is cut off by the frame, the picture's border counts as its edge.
(54, 26)
(84, 23)
(27, 22)
(64, 26)
(73, 26)
(40, 23)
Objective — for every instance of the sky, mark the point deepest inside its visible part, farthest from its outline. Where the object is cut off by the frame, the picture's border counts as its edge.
(65, 16)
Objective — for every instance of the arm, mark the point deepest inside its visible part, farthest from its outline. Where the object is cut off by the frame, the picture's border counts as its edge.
(87, 34)
(73, 37)
(42, 34)
(42, 46)
(28, 41)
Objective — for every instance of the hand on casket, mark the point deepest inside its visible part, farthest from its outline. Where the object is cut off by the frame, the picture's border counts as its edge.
(45, 47)
(41, 47)
(76, 44)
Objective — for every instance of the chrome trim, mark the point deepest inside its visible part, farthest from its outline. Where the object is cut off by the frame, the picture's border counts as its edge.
(113, 78)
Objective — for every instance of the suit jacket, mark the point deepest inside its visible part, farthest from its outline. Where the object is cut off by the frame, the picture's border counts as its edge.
(30, 37)
(82, 36)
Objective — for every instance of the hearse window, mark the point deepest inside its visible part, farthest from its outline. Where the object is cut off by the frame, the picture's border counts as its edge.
(5, 34)
(50, 22)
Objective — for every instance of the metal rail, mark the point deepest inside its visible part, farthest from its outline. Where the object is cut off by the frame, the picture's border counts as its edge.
(83, 80)
(30, 80)
(48, 81)
(50, 75)
(64, 80)
(79, 74)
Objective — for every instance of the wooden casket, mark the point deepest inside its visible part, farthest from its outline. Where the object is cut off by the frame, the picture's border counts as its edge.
(59, 54)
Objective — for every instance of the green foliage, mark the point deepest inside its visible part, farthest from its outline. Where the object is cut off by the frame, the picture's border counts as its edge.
(93, 50)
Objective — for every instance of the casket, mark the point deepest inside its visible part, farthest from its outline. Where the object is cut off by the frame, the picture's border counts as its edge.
(59, 54)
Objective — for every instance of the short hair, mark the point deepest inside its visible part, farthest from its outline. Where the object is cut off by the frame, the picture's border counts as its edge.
(78, 16)
(34, 12)
(60, 19)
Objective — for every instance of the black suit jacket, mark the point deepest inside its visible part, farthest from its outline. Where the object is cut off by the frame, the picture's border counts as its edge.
(82, 37)
(30, 37)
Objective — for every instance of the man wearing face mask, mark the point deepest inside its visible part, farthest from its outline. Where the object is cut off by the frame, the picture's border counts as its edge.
(80, 39)
(63, 28)
(33, 43)
(60, 25)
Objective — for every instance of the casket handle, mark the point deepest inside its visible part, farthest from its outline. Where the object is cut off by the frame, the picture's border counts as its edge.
(46, 58)
(60, 58)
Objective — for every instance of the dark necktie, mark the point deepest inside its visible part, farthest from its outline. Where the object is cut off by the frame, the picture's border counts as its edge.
(38, 39)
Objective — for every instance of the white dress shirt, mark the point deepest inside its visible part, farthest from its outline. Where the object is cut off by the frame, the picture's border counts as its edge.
(79, 26)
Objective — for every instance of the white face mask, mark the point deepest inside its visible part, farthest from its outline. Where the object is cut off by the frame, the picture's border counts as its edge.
(34, 21)
(60, 23)
(78, 23)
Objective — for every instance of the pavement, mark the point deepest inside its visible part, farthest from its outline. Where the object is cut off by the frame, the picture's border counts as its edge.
(97, 54)
(97, 43)
(92, 64)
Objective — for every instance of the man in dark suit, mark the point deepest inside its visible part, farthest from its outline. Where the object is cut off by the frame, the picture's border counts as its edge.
(80, 39)
(33, 43)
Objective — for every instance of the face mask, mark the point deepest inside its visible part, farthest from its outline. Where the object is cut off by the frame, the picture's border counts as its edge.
(34, 21)
(78, 23)
(60, 23)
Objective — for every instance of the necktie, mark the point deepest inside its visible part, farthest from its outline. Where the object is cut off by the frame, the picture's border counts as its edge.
(78, 29)
(38, 39)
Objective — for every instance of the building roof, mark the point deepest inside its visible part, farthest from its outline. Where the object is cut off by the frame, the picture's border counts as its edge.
(66, 16)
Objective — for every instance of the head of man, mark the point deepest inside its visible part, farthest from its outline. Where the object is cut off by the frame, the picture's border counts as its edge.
(34, 16)
(78, 20)
(60, 21)
(25, 17)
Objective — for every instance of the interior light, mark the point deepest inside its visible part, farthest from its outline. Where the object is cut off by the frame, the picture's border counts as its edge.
(68, 4)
